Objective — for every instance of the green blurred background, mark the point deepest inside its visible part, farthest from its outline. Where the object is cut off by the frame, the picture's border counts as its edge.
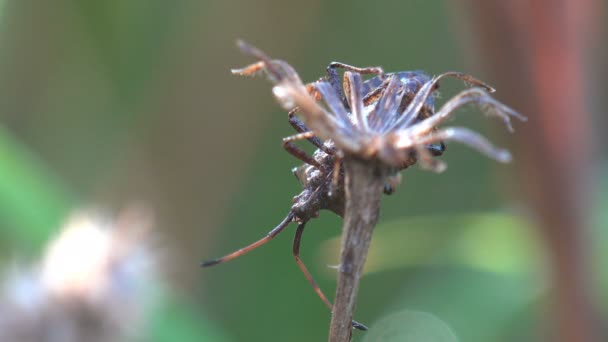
(108, 102)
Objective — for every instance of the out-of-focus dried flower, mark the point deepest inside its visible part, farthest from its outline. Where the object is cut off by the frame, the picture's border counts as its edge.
(88, 286)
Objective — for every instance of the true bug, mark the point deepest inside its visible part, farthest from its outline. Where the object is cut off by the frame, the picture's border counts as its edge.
(386, 105)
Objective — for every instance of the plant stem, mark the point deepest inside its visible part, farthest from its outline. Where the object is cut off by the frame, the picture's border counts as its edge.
(364, 183)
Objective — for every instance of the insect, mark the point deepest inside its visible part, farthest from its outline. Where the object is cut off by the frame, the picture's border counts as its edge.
(386, 101)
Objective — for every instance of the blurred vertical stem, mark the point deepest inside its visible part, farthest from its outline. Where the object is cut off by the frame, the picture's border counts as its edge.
(537, 52)
(364, 182)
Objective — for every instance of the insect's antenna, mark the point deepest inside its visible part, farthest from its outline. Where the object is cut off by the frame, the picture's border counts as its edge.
(251, 50)
(271, 234)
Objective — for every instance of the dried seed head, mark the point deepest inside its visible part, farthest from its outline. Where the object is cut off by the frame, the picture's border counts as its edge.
(389, 120)
(389, 117)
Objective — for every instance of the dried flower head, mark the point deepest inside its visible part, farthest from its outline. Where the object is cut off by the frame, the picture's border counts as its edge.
(374, 118)
(388, 117)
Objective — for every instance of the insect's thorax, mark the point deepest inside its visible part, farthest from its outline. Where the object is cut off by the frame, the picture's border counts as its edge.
(319, 191)
(309, 175)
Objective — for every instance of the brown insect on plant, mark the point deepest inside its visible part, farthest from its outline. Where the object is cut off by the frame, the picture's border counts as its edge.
(390, 116)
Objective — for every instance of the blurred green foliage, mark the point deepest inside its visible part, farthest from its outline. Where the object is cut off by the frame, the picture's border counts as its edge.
(173, 319)
(108, 101)
(410, 326)
(33, 201)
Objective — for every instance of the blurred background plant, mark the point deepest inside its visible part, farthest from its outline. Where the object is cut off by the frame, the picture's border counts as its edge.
(108, 102)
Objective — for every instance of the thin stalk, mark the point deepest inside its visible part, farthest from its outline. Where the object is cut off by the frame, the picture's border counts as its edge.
(364, 183)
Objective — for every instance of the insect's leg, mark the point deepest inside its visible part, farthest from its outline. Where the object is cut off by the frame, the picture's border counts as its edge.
(271, 234)
(374, 70)
(296, 253)
(298, 152)
(297, 124)
(300, 127)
